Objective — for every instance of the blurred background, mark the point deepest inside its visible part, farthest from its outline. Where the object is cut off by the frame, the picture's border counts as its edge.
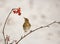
(39, 12)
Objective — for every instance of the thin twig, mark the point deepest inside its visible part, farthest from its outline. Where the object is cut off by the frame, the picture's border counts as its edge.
(35, 30)
(5, 25)
(12, 42)
(7, 42)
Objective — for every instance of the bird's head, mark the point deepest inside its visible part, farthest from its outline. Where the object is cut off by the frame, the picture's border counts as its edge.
(26, 19)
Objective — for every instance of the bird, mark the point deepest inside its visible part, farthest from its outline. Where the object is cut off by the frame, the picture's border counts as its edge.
(26, 25)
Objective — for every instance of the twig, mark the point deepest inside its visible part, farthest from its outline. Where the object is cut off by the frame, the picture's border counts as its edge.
(35, 30)
(7, 42)
(5, 25)
(12, 42)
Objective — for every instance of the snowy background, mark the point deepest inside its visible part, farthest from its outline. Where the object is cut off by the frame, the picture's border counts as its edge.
(39, 12)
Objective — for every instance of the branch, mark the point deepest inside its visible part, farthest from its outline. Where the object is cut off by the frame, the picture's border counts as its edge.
(5, 25)
(7, 42)
(35, 30)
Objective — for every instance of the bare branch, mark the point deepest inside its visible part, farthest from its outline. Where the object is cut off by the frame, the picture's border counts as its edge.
(7, 42)
(5, 25)
(35, 30)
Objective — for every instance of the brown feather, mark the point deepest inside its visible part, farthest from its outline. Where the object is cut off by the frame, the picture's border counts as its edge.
(26, 25)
